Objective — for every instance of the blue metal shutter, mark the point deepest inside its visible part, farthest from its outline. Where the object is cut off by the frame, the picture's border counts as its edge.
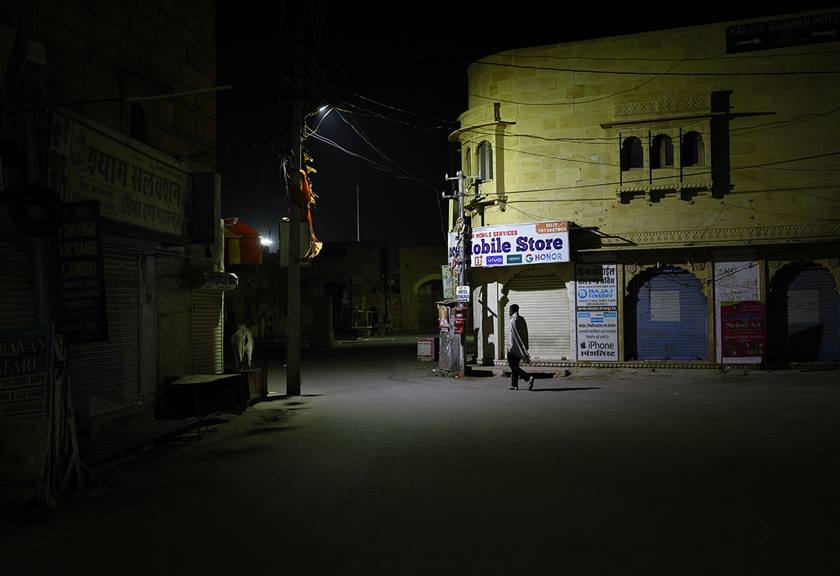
(813, 312)
(671, 317)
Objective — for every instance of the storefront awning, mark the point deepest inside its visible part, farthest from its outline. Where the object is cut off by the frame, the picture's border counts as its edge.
(242, 243)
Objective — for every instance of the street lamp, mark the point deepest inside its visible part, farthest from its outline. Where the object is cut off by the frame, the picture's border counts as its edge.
(326, 110)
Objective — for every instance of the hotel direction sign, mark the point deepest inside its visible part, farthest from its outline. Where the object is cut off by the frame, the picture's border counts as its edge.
(784, 33)
(520, 244)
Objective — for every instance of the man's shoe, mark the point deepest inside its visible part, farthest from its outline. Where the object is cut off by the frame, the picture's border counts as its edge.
(514, 388)
(531, 383)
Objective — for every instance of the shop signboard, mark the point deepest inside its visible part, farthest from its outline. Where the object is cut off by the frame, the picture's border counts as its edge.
(132, 183)
(520, 244)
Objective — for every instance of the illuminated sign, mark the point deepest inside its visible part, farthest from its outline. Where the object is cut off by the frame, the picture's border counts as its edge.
(519, 244)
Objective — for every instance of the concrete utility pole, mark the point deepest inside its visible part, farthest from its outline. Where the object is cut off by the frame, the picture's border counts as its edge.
(293, 299)
(463, 240)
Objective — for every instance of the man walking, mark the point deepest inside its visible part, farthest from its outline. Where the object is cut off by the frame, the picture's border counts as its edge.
(517, 349)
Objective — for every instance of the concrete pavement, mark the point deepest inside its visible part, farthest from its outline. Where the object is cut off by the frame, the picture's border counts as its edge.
(384, 467)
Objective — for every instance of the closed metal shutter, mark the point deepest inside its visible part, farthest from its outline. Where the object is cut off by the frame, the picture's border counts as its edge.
(207, 332)
(813, 313)
(671, 317)
(544, 304)
(17, 295)
(105, 376)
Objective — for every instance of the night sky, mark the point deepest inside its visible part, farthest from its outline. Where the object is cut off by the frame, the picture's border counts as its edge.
(400, 79)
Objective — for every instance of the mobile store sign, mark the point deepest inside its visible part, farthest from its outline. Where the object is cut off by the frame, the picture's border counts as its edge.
(520, 244)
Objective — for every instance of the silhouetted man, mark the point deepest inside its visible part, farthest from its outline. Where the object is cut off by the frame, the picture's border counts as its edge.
(517, 348)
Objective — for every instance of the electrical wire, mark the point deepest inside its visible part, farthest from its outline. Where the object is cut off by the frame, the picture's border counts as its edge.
(647, 179)
(657, 75)
(645, 73)
(367, 141)
(404, 111)
(719, 56)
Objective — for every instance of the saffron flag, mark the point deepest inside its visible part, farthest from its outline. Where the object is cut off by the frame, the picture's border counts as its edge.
(307, 201)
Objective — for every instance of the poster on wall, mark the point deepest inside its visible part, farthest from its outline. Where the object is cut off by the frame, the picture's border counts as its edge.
(25, 372)
(742, 326)
(596, 312)
(80, 274)
(739, 313)
(132, 185)
(520, 244)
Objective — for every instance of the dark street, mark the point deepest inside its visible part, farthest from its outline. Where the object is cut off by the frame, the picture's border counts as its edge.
(381, 466)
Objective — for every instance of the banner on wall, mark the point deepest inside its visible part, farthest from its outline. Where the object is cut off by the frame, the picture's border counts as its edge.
(596, 312)
(520, 244)
(739, 313)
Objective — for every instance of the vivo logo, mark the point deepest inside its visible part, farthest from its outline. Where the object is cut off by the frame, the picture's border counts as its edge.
(494, 260)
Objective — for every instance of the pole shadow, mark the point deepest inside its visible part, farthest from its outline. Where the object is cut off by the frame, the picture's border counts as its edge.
(565, 389)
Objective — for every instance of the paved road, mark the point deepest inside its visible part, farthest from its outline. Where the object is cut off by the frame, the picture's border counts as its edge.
(383, 467)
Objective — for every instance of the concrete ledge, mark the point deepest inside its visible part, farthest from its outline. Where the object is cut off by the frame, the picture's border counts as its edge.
(500, 366)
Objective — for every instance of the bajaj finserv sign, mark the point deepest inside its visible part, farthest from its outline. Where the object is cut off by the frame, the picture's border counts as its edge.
(520, 244)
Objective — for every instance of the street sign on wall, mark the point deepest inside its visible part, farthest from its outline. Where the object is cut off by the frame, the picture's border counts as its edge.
(784, 33)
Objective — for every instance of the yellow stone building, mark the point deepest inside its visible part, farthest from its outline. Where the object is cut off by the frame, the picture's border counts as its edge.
(695, 171)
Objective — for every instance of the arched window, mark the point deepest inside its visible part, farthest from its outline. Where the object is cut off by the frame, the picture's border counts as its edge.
(661, 151)
(468, 163)
(692, 152)
(485, 161)
(632, 155)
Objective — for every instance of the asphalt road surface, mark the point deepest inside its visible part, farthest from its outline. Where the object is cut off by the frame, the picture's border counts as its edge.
(384, 467)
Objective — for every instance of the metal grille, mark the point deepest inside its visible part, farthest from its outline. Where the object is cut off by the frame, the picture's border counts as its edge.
(207, 332)
(105, 376)
(544, 304)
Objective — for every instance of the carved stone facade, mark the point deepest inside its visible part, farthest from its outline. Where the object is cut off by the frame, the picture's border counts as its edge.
(691, 168)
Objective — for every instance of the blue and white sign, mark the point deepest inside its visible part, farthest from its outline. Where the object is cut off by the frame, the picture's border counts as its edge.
(596, 312)
(520, 244)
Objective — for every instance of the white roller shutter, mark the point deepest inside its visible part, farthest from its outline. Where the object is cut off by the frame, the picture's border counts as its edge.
(544, 303)
(105, 376)
(207, 332)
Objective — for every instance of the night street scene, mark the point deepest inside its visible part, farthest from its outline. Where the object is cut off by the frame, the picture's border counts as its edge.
(336, 288)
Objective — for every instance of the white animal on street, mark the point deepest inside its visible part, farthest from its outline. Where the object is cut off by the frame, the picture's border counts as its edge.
(242, 342)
